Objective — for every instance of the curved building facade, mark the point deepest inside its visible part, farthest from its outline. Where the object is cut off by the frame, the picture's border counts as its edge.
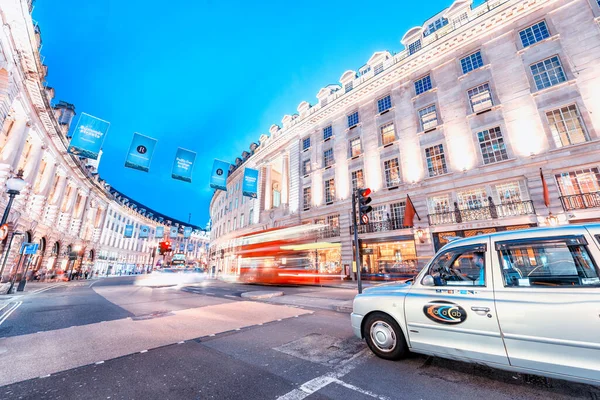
(488, 118)
(75, 217)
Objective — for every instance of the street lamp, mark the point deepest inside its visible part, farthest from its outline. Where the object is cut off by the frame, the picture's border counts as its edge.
(14, 185)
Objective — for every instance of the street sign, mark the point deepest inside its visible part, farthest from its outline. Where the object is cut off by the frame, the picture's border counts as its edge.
(364, 219)
(3, 231)
(366, 250)
(29, 248)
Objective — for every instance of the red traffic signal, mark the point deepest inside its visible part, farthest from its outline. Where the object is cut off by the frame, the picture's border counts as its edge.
(363, 205)
(164, 247)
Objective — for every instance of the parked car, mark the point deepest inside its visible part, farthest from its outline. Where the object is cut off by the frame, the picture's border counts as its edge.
(525, 301)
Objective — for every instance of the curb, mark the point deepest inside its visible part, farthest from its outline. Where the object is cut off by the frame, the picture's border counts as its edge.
(343, 309)
(261, 294)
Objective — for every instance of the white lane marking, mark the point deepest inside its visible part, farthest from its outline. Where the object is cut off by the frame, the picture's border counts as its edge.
(228, 295)
(44, 376)
(7, 313)
(359, 390)
(212, 294)
(100, 362)
(182, 342)
(5, 304)
(48, 288)
(310, 387)
(143, 351)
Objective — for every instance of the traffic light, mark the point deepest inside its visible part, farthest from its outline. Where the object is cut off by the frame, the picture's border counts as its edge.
(164, 247)
(363, 205)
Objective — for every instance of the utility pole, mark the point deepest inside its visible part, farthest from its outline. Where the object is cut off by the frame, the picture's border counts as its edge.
(356, 244)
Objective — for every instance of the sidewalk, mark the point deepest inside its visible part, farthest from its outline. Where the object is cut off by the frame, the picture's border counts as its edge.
(36, 287)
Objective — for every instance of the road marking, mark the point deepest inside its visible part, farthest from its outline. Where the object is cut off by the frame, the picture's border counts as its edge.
(47, 288)
(7, 313)
(182, 342)
(7, 303)
(44, 376)
(100, 362)
(143, 351)
(228, 295)
(212, 294)
(237, 329)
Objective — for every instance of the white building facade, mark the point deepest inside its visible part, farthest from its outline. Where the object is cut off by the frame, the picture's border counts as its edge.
(480, 104)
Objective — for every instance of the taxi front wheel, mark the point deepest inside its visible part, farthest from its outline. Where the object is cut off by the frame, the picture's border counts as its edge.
(384, 337)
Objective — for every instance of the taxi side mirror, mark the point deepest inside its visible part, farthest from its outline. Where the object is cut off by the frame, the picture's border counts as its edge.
(428, 281)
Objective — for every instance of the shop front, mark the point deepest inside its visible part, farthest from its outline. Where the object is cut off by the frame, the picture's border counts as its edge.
(389, 258)
(441, 238)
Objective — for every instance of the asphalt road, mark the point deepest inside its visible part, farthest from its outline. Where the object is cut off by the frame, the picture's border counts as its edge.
(308, 356)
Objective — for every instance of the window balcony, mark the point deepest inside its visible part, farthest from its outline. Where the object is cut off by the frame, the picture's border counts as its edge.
(381, 226)
(491, 211)
(329, 232)
(580, 201)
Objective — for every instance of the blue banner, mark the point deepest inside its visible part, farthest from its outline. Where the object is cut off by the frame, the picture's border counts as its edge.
(218, 177)
(187, 231)
(144, 231)
(250, 183)
(190, 247)
(160, 232)
(140, 152)
(128, 231)
(88, 137)
(183, 165)
(173, 231)
(181, 246)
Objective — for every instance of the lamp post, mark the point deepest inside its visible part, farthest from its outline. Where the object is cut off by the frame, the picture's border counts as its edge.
(14, 186)
(7, 252)
(153, 253)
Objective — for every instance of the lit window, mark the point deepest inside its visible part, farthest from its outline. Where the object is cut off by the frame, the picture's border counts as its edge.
(378, 68)
(327, 132)
(329, 190)
(438, 204)
(353, 119)
(471, 62)
(534, 34)
(435, 25)
(392, 172)
(548, 72)
(357, 180)
(511, 192)
(492, 145)
(355, 147)
(472, 199)
(480, 98)
(579, 182)
(384, 103)
(414, 47)
(422, 85)
(251, 217)
(388, 133)
(397, 213)
(567, 126)
(306, 143)
(328, 158)
(306, 167)
(436, 161)
(348, 87)
(428, 117)
(306, 199)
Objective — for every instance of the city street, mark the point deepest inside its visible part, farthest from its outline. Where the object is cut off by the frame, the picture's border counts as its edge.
(110, 338)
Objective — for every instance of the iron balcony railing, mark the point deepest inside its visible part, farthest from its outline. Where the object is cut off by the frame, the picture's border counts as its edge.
(329, 232)
(491, 211)
(580, 201)
(380, 226)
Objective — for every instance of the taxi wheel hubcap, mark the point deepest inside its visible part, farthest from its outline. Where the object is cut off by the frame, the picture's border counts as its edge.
(383, 336)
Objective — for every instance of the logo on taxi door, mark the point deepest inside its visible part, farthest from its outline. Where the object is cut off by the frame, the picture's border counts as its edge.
(445, 312)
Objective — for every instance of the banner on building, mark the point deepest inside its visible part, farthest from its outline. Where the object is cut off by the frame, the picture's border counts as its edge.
(187, 231)
(88, 136)
(183, 165)
(140, 152)
(160, 232)
(190, 247)
(173, 231)
(144, 231)
(128, 231)
(250, 183)
(218, 177)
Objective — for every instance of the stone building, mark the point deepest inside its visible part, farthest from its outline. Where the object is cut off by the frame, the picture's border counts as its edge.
(480, 103)
(76, 218)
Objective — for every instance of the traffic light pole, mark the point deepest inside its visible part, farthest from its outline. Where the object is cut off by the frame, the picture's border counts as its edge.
(356, 243)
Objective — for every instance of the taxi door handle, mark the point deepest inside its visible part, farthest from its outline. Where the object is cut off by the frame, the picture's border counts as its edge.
(480, 309)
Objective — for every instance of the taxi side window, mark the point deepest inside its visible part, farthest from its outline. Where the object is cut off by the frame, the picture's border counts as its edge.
(548, 263)
(463, 266)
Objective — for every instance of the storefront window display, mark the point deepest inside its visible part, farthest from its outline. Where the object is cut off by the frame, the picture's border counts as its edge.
(389, 260)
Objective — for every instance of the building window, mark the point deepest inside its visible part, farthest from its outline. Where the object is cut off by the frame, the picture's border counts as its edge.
(422, 85)
(579, 182)
(548, 72)
(348, 87)
(567, 126)
(397, 214)
(306, 167)
(480, 98)
(306, 199)
(388, 133)
(414, 47)
(492, 145)
(428, 117)
(242, 221)
(384, 103)
(472, 199)
(378, 214)
(534, 34)
(327, 132)
(234, 223)
(306, 143)
(378, 68)
(511, 192)
(329, 191)
(436, 161)
(328, 158)
(434, 26)
(353, 119)
(357, 180)
(324, 102)
(251, 217)
(235, 205)
(392, 172)
(471, 62)
(438, 204)
(355, 147)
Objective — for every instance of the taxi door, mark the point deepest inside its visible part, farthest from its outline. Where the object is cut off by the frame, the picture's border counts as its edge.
(456, 318)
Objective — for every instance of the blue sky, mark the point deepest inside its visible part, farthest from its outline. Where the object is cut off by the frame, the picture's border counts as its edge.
(210, 76)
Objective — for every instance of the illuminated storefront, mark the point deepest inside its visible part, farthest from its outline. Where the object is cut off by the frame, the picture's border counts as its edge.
(394, 259)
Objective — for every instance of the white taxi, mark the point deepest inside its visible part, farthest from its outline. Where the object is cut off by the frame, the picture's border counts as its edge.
(526, 301)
